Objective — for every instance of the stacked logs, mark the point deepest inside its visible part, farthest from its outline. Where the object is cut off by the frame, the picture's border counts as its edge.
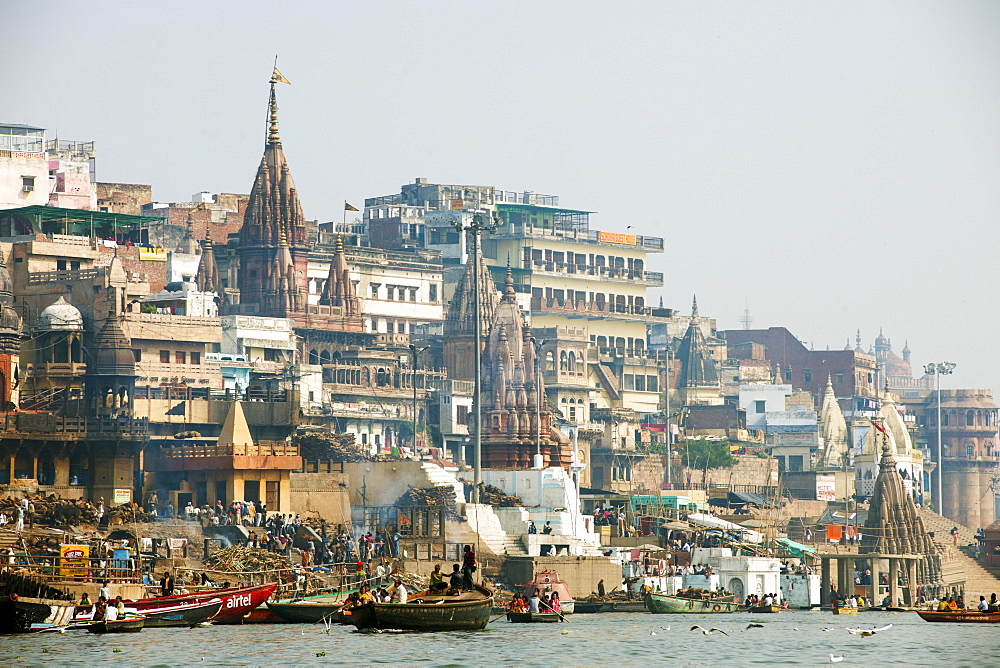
(51, 510)
(243, 558)
(437, 497)
(498, 498)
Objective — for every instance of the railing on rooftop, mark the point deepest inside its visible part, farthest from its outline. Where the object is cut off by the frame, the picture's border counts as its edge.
(258, 449)
(64, 276)
(622, 273)
(66, 145)
(569, 306)
(46, 423)
(186, 393)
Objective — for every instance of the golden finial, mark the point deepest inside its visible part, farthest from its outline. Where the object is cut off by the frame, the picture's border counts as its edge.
(282, 237)
(208, 239)
(272, 135)
(338, 246)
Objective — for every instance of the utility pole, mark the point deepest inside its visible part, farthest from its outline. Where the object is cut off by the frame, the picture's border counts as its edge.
(938, 369)
(666, 412)
(414, 352)
(477, 227)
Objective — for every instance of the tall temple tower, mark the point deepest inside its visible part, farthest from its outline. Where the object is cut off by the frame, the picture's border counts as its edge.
(274, 244)
(460, 323)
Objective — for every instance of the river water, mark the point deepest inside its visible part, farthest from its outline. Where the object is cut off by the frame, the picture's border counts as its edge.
(625, 638)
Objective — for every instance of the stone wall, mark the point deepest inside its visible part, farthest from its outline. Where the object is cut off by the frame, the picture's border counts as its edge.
(321, 495)
(749, 470)
(123, 197)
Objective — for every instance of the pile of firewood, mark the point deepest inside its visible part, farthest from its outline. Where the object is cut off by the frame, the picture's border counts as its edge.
(324, 445)
(498, 498)
(51, 510)
(128, 513)
(243, 558)
(437, 497)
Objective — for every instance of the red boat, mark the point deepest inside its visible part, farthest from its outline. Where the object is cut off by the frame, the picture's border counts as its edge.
(960, 617)
(236, 602)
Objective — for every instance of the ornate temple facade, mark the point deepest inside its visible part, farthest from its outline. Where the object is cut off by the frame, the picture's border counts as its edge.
(517, 420)
(893, 526)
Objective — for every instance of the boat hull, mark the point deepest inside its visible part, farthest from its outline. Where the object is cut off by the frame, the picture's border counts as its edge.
(960, 617)
(845, 611)
(469, 612)
(764, 609)
(533, 617)
(660, 604)
(236, 602)
(127, 625)
(18, 613)
(182, 615)
(304, 613)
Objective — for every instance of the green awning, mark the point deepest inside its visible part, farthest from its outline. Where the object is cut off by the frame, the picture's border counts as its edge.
(28, 220)
(797, 550)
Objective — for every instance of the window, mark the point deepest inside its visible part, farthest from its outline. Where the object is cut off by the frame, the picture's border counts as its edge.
(807, 376)
(413, 294)
(628, 382)
(838, 378)
(795, 462)
(461, 414)
(388, 292)
(970, 419)
(28, 183)
(272, 496)
(138, 354)
(788, 375)
(433, 292)
(970, 451)
(180, 357)
(164, 357)
(652, 384)
(375, 287)
(195, 358)
(375, 325)
(572, 413)
(759, 406)
(640, 383)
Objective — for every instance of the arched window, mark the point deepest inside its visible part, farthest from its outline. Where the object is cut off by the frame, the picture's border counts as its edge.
(550, 361)
(579, 365)
(313, 356)
(563, 361)
(602, 342)
(944, 419)
(620, 342)
(324, 357)
(970, 418)
(571, 362)
(381, 378)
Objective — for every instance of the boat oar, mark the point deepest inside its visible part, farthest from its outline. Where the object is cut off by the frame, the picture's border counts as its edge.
(555, 611)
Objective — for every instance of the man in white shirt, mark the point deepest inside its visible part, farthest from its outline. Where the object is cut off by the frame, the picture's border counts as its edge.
(983, 605)
(533, 602)
(398, 593)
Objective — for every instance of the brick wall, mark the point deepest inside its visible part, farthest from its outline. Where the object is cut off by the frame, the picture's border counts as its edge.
(156, 272)
(125, 198)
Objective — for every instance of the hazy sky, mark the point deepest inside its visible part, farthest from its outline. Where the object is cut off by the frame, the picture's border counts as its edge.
(833, 165)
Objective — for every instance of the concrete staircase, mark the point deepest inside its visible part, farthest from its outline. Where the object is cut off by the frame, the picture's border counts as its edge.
(956, 565)
(440, 477)
(485, 522)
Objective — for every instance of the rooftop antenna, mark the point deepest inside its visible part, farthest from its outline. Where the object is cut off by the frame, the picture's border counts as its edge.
(747, 319)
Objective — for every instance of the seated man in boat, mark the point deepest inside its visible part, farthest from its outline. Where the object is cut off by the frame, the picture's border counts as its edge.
(364, 595)
(85, 600)
(534, 601)
(398, 593)
(983, 605)
(456, 580)
(994, 603)
(952, 604)
(437, 582)
(943, 606)
(518, 605)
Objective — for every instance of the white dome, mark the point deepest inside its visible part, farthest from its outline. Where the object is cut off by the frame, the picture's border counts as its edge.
(60, 316)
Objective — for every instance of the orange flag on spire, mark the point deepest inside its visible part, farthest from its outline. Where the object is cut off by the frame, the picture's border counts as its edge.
(278, 77)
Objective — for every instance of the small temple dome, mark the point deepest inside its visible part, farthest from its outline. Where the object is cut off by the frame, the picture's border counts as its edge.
(113, 355)
(60, 316)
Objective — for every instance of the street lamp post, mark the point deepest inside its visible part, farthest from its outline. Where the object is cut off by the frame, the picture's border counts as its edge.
(478, 225)
(938, 369)
(415, 352)
(666, 413)
(538, 399)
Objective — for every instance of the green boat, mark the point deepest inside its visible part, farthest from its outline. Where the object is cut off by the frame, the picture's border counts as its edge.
(663, 604)
(533, 617)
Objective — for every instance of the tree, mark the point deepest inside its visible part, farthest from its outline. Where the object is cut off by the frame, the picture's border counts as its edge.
(704, 454)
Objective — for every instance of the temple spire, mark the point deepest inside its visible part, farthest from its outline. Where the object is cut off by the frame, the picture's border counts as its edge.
(272, 132)
(694, 306)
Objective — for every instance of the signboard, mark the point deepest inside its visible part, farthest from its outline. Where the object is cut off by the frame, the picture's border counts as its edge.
(826, 488)
(74, 561)
(718, 492)
(458, 204)
(152, 255)
(123, 496)
(616, 238)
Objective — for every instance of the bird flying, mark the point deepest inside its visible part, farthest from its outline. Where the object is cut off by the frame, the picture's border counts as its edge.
(704, 631)
(754, 626)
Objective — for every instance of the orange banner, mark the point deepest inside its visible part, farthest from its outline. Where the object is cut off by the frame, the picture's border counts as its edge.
(616, 238)
(74, 562)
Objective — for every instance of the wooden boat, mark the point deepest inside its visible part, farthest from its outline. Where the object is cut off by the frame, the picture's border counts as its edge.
(764, 609)
(236, 602)
(845, 611)
(131, 624)
(960, 616)
(629, 606)
(468, 611)
(308, 610)
(588, 608)
(533, 617)
(18, 613)
(167, 614)
(666, 604)
(547, 582)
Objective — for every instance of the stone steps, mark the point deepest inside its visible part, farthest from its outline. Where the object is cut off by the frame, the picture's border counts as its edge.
(956, 566)
(941, 526)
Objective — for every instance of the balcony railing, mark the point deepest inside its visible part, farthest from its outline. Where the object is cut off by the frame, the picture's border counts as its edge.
(65, 276)
(596, 308)
(258, 449)
(46, 423)
(616, 273)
